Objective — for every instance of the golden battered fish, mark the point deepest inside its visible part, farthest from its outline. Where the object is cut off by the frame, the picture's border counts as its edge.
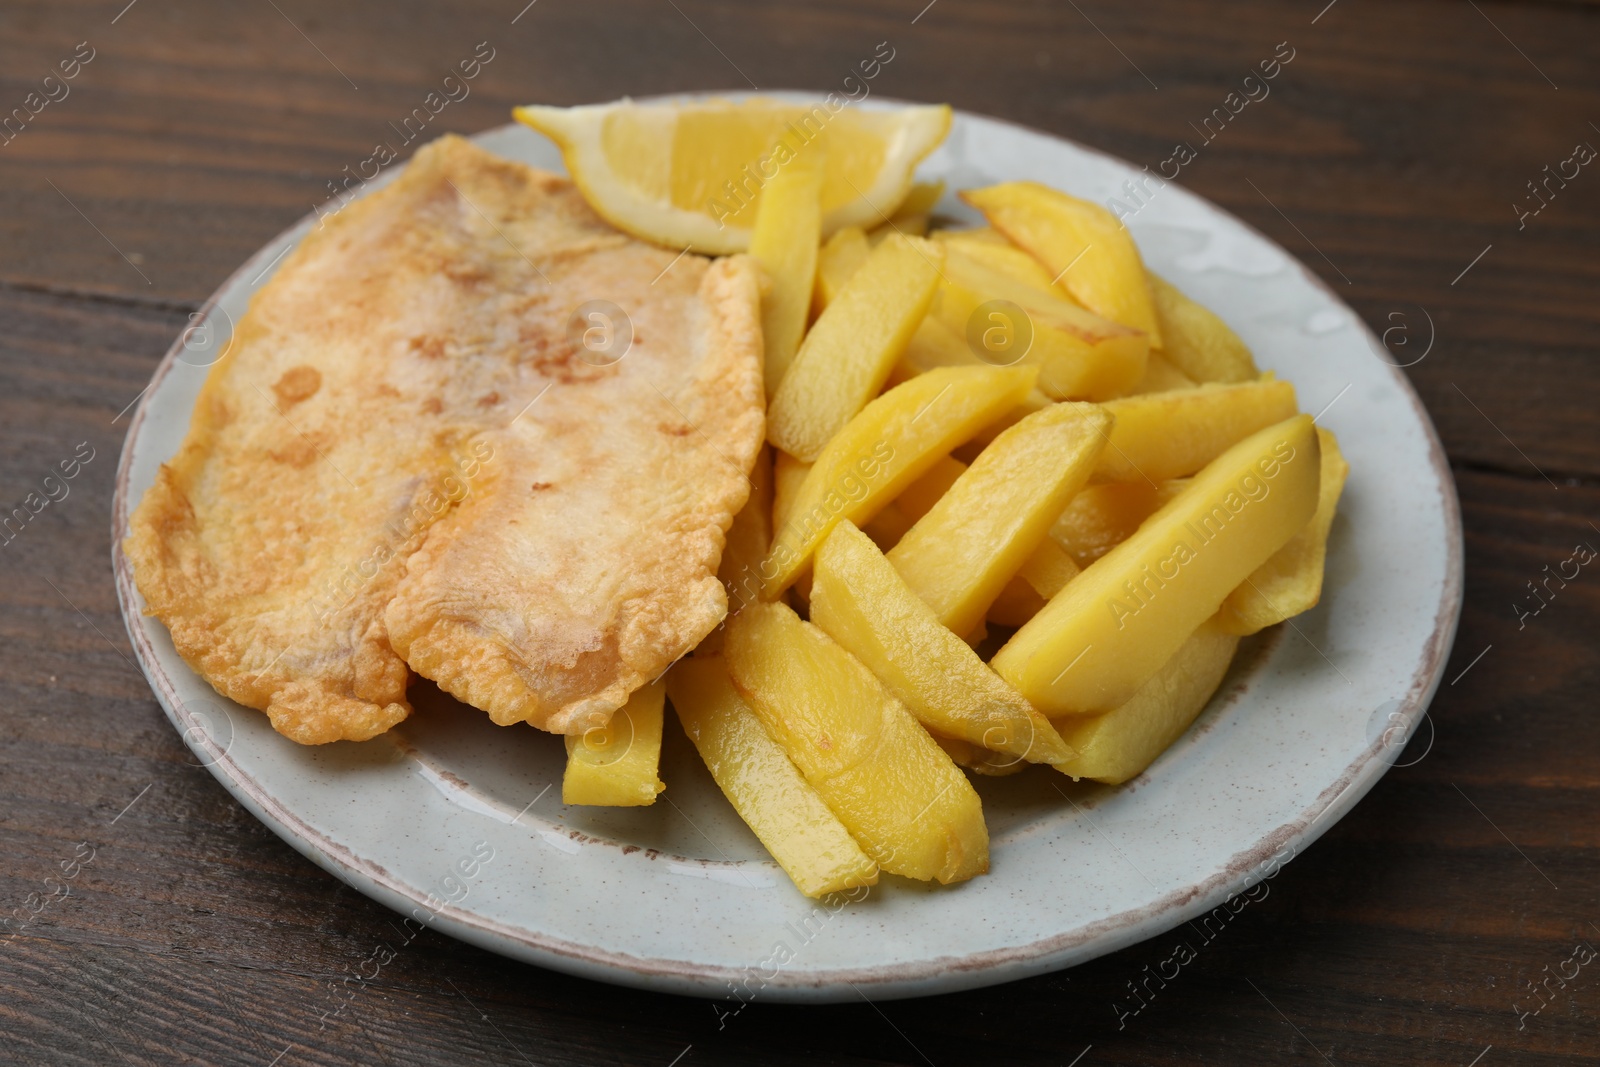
(468, 426)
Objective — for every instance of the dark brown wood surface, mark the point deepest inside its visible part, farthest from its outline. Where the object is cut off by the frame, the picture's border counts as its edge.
(1388, 157)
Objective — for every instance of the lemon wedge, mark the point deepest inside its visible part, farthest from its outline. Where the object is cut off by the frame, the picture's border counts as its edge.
(690, 174)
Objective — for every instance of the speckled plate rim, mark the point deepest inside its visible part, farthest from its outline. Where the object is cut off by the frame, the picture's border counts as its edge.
(925, 977)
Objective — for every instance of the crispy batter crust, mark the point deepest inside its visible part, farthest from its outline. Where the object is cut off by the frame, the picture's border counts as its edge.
(589, 564)
(359, 450)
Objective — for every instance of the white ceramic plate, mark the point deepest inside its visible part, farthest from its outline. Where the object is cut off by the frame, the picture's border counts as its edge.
(459, 822)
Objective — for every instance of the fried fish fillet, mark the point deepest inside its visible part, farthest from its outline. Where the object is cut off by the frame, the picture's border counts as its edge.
(413, 450)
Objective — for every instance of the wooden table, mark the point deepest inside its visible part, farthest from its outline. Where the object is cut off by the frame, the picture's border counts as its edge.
(1391, 157)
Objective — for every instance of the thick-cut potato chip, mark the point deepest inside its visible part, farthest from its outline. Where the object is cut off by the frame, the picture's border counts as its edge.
(1049, 569)
(1169, 435)
(909, 807)
(1078, 242)
(1121, 743)
(763, 785)
(1034, 401)
(960, 554)
(990, 247)
(1017, 603)
(889, 525)
(788, 475)
(1041, 577)
(859, 601)
(894, 440)
(1291, 581)
(921, 495)
(932, 345)
(1196, 341)
(1080, 355)
(885, 528)
(848, 354)
(748, 540)
(615, 765)
(784, 242)
(1103, 516)
(1161, 376)
(977, 759)
(1113, 626)
(839, 258)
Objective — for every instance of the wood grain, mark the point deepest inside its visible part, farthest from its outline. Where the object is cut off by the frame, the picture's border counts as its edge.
(1387, 157)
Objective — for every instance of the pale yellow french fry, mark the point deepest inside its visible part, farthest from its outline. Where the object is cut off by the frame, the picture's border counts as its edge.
(1078, 242)
(1049, 569)
(885, 528)
(1291, 581)
(1198, 342)
(1034, 401)
(749, 538)
(913, 215)
(787, 231)
(959, 751)
(978, 234)
(932, 345)
(890, 525)
(763, 784)
(614, 765)
(977, 759)
(1161, 376)
(977, 270)
(839, 258)
(788, 475)
(1102, 516)
(990, 247)
(935, 345)
(751, 533)
(1113, 626)
(889, 445)
(1017, 603)
(1169, 435)
(1080, 355)
(1120, 744)
(846, 357)
(911, 810)
(1041, 577)
(959, 556)
(920, 496)
(859, 600)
